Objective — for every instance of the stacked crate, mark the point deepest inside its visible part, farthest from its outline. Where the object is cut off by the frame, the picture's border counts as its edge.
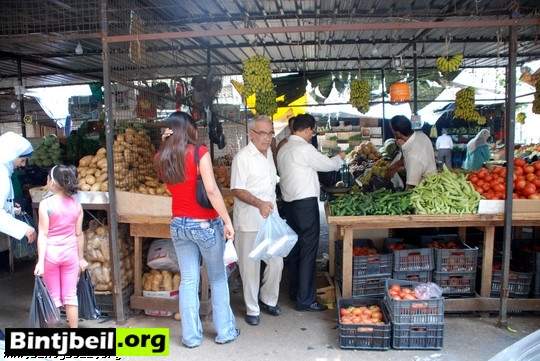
(519, 284)
(455, 269)
(526, 255)
(369, 272)
(416, 324)
(364, 336)
(415, 265)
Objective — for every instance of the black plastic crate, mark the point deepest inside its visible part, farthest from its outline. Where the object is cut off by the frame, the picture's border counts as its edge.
(364, 336)
(369, 286)
(378, 264)
(537, 276)
(105, 302)
(413, 311)
(407, 336)
(414, 276)
(456, 284)
(519, 284)
(419, 259)
(463, 259)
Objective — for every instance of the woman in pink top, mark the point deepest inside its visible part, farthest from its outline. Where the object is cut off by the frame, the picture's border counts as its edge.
(61, 240)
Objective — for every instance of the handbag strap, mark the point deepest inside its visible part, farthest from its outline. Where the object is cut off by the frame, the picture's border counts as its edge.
(196, 157)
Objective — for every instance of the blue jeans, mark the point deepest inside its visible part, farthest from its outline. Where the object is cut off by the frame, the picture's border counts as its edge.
(192, 239)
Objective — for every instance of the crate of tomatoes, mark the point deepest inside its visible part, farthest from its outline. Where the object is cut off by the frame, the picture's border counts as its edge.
(491, 183)
(363, 324)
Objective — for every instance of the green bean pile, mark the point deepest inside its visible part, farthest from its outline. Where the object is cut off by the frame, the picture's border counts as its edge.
(445, 193)
(380, 202)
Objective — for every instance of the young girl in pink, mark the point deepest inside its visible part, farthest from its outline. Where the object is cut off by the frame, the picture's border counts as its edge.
(61, 240)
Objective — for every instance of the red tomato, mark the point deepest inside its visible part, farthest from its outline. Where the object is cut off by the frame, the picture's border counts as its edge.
(499, 187)
(473, 179)
(535, 196)
(537, 173)
(486, 186)
(530, 177)
(515, 196)
(529, 189)
(489, 195)
(480, 182)
(481, 174)
(536, 165)
(520, 184)
(519, 162)
(528, 169)
(518, 171)
(536, 182)
(488, 178)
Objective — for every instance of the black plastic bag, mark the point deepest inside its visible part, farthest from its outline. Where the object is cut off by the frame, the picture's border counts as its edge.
(20, 247)
(43, 312)
(87, 298)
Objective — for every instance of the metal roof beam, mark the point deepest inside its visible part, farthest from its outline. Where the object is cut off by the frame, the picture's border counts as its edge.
(402, 25)
(282, 44)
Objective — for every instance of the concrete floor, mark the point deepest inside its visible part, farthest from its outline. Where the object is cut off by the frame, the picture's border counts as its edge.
(292, 336)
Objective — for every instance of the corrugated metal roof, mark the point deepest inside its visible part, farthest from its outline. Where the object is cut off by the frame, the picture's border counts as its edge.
(47, 36)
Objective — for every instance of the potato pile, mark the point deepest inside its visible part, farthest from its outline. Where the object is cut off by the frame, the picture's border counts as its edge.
(223, 176)
(156, 280)
(92, 172)
(229, 201)
(97, 253)
(133, 166)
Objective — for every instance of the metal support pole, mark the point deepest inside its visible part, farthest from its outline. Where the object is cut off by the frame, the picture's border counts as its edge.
(415, 80)
(21, 96)
(510, 129)
(209, 107)
(383, 102)
(109, 140)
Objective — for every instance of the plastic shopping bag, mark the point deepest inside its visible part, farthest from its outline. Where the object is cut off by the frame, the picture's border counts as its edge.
(162, 256)
(275, 239)
(229, 255)
(22, 250)
(43, 312)
(87, 298)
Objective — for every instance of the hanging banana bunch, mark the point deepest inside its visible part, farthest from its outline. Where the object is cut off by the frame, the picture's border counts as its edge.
(449, 64)
(520, 117)
(465, 107)
(257, 77)
(360, 95)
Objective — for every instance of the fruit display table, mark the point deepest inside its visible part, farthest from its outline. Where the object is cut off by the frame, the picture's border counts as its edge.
(343, 228)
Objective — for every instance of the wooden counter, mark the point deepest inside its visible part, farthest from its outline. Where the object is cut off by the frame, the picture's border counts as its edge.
(485, 222)
(148, 227)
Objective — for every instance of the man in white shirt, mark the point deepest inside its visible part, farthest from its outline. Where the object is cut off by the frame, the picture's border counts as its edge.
(298, 163)
(444, 145)
(253, 183)
(418, 154)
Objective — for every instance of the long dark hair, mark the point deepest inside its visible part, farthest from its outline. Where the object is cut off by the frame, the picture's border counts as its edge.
(65, 178)
(170, 160)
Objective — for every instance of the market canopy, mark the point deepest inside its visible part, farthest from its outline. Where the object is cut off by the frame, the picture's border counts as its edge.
(59, 42)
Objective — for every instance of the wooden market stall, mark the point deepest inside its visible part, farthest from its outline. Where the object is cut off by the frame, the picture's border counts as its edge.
(345, 226)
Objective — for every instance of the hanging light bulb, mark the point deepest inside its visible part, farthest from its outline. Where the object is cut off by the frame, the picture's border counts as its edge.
(79, 49)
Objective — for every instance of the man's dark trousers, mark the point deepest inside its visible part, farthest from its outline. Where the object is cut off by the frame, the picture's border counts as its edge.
(303, 217)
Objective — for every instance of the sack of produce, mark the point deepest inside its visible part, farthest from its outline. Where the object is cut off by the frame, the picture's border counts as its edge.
(162, 256)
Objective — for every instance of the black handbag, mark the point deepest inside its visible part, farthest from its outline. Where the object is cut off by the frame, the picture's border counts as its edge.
(202, 197)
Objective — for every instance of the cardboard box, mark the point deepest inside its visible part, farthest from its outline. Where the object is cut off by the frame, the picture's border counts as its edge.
(160, 294)
(518, 206)
(135, 204)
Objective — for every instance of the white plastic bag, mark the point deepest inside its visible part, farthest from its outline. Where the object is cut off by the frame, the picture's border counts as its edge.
(162, 256)
(426, 291)
(229, 255)
(275, 239)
